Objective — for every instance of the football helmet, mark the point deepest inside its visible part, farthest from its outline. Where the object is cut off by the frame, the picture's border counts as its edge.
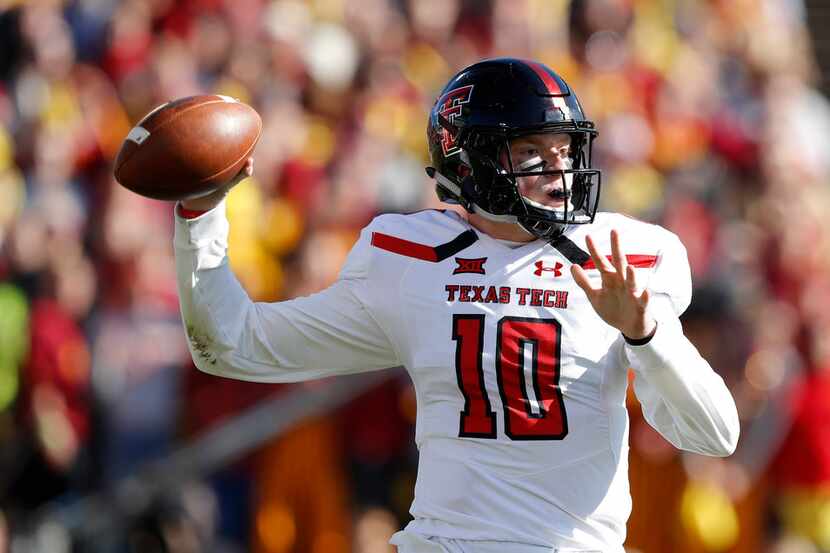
(470, 127)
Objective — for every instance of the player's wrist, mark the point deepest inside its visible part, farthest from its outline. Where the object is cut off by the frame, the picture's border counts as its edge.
(206, 203)
(185, 213)
(202, 204)
(641, 337)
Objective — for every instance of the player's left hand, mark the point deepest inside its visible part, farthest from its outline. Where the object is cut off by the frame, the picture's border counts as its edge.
(617, 300)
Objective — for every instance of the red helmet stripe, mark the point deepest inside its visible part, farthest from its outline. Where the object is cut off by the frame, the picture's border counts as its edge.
(550, 82)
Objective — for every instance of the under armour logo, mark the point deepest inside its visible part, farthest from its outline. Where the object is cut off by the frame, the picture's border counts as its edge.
(475, 266)
(540, 266)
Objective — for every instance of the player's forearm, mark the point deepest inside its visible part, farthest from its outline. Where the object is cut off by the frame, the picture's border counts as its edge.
(221, 322)
(301, 339)
(205, 283)
(682, 396)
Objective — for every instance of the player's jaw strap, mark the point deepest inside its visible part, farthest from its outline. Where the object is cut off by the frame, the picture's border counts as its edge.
(420, 251)
(571, 251)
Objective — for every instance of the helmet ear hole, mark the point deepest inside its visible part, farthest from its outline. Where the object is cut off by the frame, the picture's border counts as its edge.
(469, 190)
(503, 195)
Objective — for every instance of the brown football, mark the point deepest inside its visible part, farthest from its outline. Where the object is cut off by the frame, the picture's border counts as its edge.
(188, 147)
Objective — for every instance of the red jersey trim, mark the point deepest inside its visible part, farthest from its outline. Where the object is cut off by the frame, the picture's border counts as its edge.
(420, 251)
(190, 213)
(633, 260)
(403, 247)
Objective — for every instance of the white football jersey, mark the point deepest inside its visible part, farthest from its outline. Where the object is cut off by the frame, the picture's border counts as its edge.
(521, 425)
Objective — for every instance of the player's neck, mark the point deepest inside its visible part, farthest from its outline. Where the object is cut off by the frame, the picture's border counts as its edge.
(498, 230)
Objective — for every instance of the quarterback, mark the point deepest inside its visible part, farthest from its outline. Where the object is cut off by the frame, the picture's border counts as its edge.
(517, 322)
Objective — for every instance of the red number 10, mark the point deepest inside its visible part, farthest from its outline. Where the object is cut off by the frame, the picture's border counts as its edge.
(548, 421)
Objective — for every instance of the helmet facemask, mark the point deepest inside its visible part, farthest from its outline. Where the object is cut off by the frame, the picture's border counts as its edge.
(493, 190)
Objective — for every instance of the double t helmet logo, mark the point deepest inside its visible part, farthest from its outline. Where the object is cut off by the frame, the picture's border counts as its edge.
(451, 106)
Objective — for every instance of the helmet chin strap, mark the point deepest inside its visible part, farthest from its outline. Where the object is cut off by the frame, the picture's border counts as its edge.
(455, 189)
(493, 217)
(554, 230)
(547, 230)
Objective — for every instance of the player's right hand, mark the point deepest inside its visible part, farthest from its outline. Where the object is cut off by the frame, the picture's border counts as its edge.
(206, 203)
(618, 300)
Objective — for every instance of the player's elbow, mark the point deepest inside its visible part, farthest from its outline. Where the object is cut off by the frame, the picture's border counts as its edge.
(723, 440)
(714, 436)
(730, 432)
(729, 439)
(721, 429)
(206, 351)
(207, 360)
(225, 366)
(724, 447)
(208, 366)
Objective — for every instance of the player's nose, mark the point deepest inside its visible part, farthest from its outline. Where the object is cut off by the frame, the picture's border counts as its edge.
(558, 157)
(557, 160)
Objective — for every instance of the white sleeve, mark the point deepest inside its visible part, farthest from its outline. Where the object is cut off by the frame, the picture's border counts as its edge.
(682, 397)
(328, 333)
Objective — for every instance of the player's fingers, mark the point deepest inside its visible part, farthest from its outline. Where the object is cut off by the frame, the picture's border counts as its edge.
(617, 257)
(246, 171)
(644, 297)
(630, 279)
(599, 261)
(581, 278)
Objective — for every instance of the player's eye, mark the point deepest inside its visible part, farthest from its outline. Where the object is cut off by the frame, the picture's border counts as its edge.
(524, 153)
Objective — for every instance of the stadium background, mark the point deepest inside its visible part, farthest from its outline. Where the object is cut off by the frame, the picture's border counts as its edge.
(712, 123)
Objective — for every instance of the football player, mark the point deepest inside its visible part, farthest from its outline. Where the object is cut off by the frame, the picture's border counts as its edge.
(517, 321)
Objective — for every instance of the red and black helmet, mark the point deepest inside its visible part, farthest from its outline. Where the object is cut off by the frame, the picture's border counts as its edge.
(479, 111)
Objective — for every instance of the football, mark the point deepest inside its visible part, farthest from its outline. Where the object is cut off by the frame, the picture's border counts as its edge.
(188, 147)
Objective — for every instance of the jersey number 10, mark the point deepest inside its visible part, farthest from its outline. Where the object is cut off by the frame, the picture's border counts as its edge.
(540, 418)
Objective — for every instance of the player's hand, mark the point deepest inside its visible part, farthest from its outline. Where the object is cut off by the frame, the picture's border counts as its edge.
(206, 203)
(617, 300)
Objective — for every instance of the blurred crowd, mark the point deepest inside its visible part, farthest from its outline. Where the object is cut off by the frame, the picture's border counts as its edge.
(710, 124)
